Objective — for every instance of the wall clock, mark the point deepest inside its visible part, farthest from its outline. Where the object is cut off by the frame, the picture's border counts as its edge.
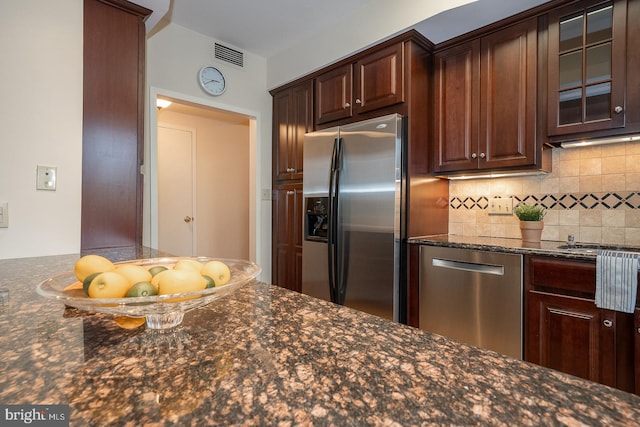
(212, 80)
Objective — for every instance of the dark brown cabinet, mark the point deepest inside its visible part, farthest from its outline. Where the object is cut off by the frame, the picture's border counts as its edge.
(587, 49)
(486, 102)
(636, 345)
(372, 82)
(287, 236)
(292, 118)
(113, 114)
(565, 330)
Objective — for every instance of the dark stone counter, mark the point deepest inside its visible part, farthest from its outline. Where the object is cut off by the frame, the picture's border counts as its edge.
(269, 356)
(492, 244)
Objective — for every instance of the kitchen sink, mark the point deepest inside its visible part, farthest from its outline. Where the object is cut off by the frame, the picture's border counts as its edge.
(594, 248)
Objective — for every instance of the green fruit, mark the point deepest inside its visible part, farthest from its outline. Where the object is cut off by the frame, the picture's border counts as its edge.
(87, 281)
(142, 289)
(157, 269)
(209, 280)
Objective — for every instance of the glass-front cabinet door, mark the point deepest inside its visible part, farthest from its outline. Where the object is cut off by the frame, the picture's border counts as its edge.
(587, 67)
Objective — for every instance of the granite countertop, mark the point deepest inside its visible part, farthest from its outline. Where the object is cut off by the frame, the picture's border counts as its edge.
(545, 247)
(269, 356)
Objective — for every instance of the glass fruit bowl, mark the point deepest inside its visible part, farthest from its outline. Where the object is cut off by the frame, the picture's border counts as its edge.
(160, 311)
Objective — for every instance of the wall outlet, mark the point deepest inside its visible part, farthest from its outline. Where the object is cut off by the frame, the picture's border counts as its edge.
(4, 214)
(46, 178)
(266, 194)
(501, 206)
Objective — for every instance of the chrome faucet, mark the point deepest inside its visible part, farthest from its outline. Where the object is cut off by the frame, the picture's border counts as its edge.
(571, 241)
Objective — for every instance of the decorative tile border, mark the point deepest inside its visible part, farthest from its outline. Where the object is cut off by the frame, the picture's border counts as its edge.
(557, 201)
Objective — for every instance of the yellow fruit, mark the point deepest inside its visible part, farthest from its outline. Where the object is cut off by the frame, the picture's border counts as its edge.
(134, 273)
(188, 264)
(156, 279)
(180, 281)
(90, 264)
(218, 271)
(127, 322)
(109, 285)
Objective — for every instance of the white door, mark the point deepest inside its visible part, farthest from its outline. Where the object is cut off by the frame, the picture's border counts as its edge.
(176, 172)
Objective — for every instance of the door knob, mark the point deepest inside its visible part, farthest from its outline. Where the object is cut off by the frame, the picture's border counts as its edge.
(188, 218)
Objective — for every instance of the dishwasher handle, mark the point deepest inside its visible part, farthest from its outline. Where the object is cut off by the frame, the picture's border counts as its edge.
(468, 266)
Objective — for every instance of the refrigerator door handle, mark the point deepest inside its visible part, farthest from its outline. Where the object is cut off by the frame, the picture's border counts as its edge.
(336, 263)
(332, 256)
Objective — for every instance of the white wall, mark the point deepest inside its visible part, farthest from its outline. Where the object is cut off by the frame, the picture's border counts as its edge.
(41, 121)
(376, 20)
(174, 56)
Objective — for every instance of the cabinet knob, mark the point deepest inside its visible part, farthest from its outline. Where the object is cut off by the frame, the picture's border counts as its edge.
(290, 193)
(639, 330)
(347, 105)
(358, 101)
(291, 170)
(188, 219)
(482, 155)
(474, 155)
(608, 323)
(618, 109)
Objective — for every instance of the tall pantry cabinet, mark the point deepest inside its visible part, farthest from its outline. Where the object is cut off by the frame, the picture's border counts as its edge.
(292, 118)
(113, 114)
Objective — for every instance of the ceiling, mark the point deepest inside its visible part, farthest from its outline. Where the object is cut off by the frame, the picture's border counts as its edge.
(266, 27)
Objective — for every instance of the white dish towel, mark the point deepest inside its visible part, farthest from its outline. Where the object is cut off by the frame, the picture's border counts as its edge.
(616, 280)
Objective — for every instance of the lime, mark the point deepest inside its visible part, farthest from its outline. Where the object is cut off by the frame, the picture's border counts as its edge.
(157, 269)
(209, 280)
(142, 289)
(87, 281)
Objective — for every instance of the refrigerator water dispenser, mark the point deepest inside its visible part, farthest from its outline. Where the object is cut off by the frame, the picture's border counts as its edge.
(316, 210)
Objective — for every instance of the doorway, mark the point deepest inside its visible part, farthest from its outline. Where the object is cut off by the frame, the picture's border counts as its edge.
(176, 183)
(224, 187)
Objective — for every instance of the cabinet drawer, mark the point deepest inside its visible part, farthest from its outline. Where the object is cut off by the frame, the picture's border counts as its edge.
(574, 277)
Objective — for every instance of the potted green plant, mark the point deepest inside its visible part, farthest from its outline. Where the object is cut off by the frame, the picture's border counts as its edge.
(531, 221)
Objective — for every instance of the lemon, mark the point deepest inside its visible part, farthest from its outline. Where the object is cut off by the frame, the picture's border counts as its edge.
(127, 322)
(156, 277)
(134, 273)
(90, 264)
(109, 285)
(188, 264)
(180, 281)
(218, 271)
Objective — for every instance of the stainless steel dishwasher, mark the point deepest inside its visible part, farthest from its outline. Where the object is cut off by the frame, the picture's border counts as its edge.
(473, 297)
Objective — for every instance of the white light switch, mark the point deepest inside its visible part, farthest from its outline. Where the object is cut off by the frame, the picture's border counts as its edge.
(4, 214)
(501, 206)
(46, 178)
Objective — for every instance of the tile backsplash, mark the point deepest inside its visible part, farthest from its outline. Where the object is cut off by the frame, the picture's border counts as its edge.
(592, 193)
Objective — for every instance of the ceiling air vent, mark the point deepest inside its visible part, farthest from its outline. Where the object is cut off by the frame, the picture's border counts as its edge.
(229, 55)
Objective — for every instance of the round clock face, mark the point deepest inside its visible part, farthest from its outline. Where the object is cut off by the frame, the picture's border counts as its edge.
(211, 80)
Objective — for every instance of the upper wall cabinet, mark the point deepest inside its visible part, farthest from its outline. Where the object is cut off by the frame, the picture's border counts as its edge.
(372, 82)
(292, 118)
(486, 102)
(586, 67)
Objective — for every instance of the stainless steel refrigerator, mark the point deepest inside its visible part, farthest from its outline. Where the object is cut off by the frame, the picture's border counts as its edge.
(354, 191)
